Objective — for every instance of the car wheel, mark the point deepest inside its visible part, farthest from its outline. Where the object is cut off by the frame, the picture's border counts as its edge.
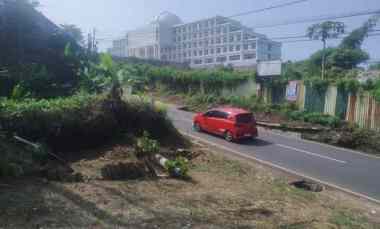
(228, 136)
(197, 127)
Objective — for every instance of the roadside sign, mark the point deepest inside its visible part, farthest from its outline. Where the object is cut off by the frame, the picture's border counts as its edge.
(292, 91)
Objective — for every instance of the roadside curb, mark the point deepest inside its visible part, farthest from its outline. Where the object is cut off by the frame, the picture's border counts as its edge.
(288, 171)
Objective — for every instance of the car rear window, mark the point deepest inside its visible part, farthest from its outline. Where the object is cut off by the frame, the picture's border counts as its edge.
(244, 118)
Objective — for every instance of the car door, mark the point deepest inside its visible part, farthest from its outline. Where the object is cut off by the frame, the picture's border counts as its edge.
(217, 122)
(208, 121)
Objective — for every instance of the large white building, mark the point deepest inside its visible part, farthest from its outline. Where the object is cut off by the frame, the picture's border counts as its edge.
(204, 43)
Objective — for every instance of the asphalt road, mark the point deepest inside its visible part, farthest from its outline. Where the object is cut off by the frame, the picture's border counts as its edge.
(347, 169)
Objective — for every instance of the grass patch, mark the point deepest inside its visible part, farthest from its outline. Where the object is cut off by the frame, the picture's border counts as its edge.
(349, 220)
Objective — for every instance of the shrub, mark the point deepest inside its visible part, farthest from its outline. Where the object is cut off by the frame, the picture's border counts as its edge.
(17, 160)
(178, 167)
(82, 120)
(146, 147)
(316, 118)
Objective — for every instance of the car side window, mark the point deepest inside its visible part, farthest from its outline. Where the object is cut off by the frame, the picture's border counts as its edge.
(211, 114)
(221, 114)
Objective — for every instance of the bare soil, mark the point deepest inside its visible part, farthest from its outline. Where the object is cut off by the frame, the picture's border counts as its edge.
(223, 192)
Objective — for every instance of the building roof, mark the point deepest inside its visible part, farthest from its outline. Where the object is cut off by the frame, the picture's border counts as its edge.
(167, 19)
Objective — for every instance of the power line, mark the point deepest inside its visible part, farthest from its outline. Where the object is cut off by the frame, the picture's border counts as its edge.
(267, 8)
(309, 40)
(303, 36)
(318, 18)
(322, 18)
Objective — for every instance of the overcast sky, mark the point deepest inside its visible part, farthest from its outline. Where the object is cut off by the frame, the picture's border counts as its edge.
(112, 18)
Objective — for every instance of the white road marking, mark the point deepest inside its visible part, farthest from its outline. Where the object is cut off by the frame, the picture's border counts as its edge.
(310, 153)
(291, 148)
(283, 168)
(321, 144)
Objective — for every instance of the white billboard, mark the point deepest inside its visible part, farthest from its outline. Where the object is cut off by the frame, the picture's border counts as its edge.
(269, 68)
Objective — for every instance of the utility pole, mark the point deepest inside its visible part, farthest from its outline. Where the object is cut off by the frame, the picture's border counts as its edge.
(94, 41)
(2, 29)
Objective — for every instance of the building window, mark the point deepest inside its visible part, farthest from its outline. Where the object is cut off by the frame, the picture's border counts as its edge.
(231, 38)
(231, 48)
(224, 49)
(249, 56)
(218, 50)
(253, 46)
(194, 53)
(206, 52)
(245, 46)
(200, 43)
(212, 51)
(224, 30)
(197, 61)
(221, 59)
(224, 39)
(209, 60)
(200, 34)
(237, 47)
(200, 53)
(189, 45)
(235, 57)
(212, 41)
(218, 40)
(189, 54)
(238, 37)
(206, 42)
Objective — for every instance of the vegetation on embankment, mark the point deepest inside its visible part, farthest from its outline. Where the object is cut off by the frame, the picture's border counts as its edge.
(82, 120)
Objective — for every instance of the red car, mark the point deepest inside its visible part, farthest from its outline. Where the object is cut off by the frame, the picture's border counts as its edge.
(231, 123)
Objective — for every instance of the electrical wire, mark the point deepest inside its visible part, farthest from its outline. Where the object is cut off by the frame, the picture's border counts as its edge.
(267, 8)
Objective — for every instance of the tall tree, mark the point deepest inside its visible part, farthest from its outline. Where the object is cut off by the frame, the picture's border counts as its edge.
(357, 36)
(74, 31)
(324, 31)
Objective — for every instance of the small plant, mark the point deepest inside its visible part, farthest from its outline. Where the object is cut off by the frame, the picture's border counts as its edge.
(178, 167)
(146, 147)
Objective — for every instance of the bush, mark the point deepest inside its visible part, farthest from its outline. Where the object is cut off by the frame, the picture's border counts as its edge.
(17, 160)
(146, 147)
(178, 167)
(316, 118)
(82, 120)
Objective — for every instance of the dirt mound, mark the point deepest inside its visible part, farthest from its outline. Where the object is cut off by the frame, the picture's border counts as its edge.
(124, 171)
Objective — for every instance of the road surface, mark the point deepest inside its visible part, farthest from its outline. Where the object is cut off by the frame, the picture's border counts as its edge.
(349, 170)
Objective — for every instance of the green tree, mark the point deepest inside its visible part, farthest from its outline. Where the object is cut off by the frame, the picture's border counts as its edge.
(357, 37)
(346, 58)
(324, 31)
(74, 31)
(374, 66)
